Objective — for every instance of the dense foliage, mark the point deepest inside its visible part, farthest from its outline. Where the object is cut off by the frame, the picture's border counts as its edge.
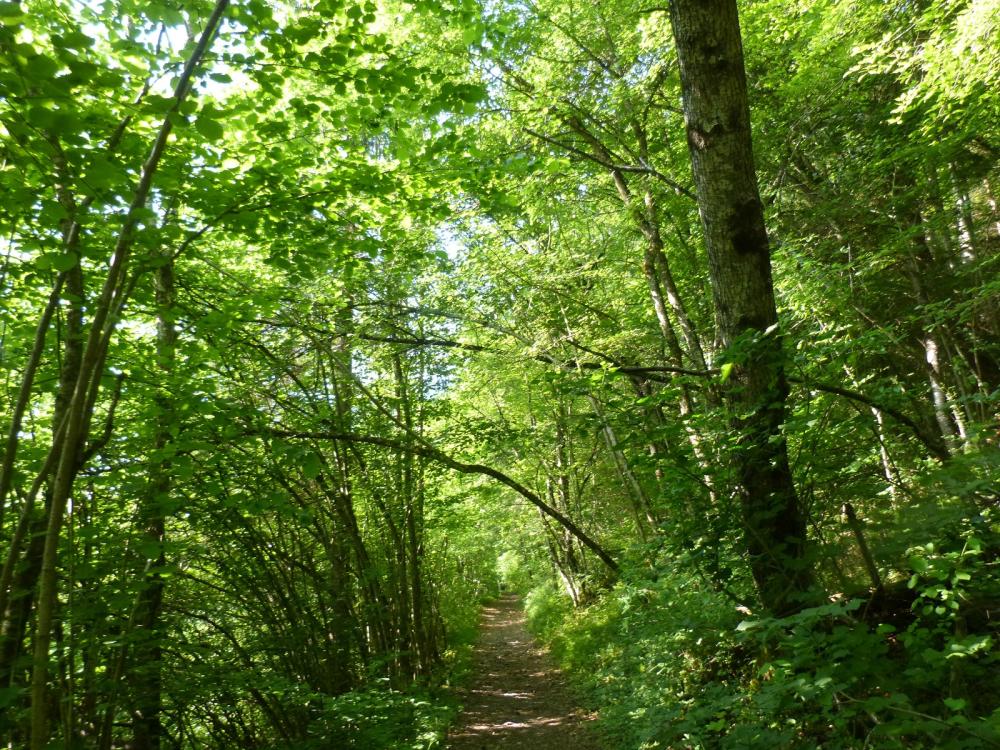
(321, 321)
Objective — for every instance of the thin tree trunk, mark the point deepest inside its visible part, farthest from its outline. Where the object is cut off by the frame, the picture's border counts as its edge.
(24, 396)
(146, 674)
(991, 201)
(101, 327)
(888, 468)
(641, 508)
(964, 223)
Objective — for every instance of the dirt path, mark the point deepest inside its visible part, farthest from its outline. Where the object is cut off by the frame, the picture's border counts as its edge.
(517, 699)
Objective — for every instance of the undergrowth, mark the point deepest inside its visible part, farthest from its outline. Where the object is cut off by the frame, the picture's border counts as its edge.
(671, 663)
(373, 719)
(414, 718)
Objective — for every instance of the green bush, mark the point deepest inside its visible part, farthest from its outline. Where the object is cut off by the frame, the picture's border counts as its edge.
(671, 663)
(382, 719)
(546, 608)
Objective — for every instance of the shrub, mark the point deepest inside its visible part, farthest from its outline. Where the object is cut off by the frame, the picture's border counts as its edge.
(674, 664)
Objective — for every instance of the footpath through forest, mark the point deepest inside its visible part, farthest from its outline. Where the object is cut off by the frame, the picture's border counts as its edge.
(517, 699)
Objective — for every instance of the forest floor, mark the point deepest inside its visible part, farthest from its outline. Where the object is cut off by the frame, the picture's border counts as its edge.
(517, 697)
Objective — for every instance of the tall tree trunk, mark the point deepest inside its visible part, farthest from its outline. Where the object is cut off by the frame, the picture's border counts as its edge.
(146, 673)
(717, 118)
(919, 265)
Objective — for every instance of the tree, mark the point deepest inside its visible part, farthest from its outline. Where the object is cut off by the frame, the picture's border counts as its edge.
(717, 121)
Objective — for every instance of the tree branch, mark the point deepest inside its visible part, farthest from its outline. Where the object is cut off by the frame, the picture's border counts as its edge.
(609, 164)
(936, 447)
(464, 468)
(109, 423)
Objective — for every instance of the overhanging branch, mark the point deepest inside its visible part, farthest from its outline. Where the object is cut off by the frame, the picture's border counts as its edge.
(464, 468)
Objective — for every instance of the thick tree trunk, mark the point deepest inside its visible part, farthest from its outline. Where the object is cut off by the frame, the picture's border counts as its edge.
(717, 117)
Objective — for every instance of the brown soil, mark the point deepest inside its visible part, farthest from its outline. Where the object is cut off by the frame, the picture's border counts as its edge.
(517, 699)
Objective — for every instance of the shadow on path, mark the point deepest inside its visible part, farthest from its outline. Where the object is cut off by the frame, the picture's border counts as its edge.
(518, 699)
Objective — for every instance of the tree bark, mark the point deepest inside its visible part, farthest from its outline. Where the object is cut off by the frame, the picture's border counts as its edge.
(717, 119)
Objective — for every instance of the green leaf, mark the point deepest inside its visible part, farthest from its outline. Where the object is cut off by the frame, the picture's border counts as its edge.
(159, 104)
(149, 548)
(471, 94)
(311, 466)
(209, 127)
(75, 40)
(725, 371)
(101, 173)
(171, 16)
(65, 261)
(41, 67)
(9, 695)
(336, 57)
(41, 117)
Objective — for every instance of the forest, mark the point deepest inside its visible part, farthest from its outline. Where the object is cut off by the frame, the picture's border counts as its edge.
(326, 323)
